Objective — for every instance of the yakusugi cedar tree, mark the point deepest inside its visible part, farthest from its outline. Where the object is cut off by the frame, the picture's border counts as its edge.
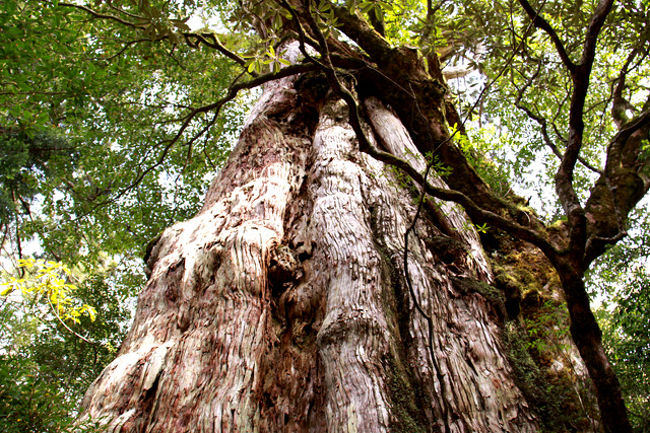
(333, 281)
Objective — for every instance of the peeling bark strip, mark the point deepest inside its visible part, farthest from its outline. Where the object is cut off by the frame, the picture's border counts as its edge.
(282, 307)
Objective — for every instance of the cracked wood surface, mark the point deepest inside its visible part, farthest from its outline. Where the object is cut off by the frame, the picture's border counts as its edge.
(282, 305)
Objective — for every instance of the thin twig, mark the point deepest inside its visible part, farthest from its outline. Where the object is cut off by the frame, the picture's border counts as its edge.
(98, 14)
(142, 24)
(543, 123)
(66, 326)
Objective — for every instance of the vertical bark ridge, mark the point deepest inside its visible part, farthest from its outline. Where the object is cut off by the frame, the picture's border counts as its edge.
(481, 395)
(353, 336)
(202, 321)
(386, 124)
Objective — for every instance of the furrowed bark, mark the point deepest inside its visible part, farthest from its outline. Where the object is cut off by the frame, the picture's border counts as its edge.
(191, 360)
(282, 305)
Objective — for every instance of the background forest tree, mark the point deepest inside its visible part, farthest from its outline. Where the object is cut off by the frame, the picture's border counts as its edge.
(114, 119)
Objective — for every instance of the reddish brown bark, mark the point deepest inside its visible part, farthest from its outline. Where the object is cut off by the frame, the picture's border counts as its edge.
(282, 305)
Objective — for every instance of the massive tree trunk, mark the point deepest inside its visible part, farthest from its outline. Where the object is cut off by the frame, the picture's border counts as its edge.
(283, 305)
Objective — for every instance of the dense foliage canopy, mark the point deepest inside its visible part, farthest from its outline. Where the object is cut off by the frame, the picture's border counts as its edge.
(114, 115)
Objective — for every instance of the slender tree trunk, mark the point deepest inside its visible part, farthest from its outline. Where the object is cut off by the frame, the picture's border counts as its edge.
(588, 339)
(282, 306)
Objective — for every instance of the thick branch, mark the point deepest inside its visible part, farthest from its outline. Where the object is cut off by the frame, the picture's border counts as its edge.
(357, 29)
(619, 188)
(641, 121)
(619, 104)
(564, 176)
(580, 76)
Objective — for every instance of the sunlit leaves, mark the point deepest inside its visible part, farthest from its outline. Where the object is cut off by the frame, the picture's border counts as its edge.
(123, 96)
(483, 148)
(530, 100)
(270, 59)
(48, 282)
